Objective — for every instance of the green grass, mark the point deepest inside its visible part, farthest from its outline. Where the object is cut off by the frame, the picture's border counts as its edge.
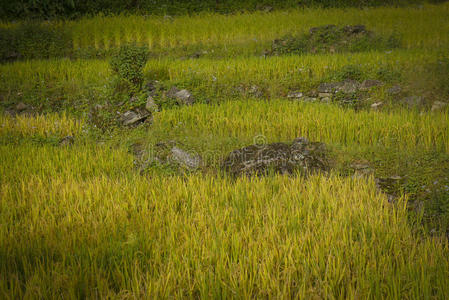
(82, 221)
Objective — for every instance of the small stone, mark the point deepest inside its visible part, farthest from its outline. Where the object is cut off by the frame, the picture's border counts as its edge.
(360, 166)
(20, 107)
(133, 99)
(67, 141)
(326, 100)
(195, 55)
(349, 87)
(185, 96)
(394, 90)
(295, 95)
(310, 99)
(438, 105)
(172, 92)
(132, 117)
(98, 107)
(377, 105)
(369, 84)
(151, 105)
(354, 29)
(324, 95)
(256, 91)
(329, 87)
(268, 9)
(313, 93)
(301, 140)
(362, 170)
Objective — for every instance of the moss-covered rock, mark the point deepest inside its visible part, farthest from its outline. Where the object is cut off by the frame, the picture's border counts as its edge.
(300, 156)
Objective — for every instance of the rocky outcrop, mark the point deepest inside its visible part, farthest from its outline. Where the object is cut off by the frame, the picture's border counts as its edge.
(301, 155)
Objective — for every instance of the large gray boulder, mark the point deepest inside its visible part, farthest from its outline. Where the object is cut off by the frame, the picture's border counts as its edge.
(186, 159)
(165, 153)
(301, 155)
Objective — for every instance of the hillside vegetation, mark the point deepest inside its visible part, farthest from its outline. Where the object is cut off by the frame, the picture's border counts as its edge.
(115, 132)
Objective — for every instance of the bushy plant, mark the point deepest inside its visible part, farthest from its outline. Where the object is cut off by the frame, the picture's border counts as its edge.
(128, 63)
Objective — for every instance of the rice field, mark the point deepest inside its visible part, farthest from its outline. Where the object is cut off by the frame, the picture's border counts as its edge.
(82, 221)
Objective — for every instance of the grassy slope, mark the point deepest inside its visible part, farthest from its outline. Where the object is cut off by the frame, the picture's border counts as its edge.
(82, 222)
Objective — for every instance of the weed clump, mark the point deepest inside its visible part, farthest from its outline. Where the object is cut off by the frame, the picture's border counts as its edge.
(128, 64)
(333, 39)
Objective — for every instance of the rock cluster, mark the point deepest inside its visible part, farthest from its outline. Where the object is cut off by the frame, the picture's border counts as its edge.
(327, 91)
(143, 113)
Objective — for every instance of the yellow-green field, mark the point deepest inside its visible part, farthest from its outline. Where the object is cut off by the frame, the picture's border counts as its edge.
(81, 221)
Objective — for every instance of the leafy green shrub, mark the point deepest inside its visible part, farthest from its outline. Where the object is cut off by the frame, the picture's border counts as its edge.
(128, 63)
